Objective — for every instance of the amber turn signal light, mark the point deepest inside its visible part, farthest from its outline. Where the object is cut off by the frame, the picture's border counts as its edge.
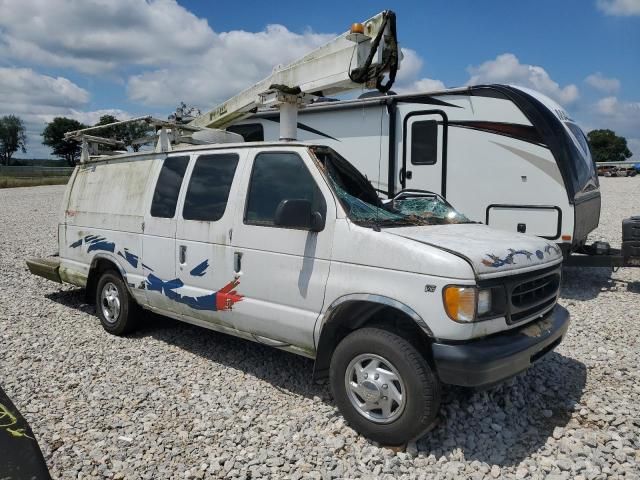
(460, 303)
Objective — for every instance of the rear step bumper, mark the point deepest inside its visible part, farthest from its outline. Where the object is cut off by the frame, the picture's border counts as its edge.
(48, 268)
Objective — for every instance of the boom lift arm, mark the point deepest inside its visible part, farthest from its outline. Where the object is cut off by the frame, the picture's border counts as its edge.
(360, 56)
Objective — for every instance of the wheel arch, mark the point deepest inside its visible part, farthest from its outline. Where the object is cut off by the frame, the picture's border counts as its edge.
(351, 312)
(102, 262)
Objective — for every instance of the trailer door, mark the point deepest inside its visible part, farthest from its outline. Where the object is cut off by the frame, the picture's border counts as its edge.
(424, 153)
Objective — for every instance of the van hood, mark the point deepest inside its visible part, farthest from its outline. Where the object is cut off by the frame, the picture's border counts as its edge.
(490, 252)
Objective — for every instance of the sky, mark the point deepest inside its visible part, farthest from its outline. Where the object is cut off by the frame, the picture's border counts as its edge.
(86, 58)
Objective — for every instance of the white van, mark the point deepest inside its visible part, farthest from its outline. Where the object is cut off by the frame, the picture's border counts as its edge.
(287, 244)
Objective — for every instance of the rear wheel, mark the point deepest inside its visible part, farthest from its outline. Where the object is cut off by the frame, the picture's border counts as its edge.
(383, 386)
(115, 307)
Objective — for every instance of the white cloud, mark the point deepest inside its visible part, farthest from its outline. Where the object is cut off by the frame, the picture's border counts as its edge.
(410, 66)
(429, 84)
(101, 35)
(421, 85)
(612, 108)
(38, 99)
(92, 117)
(607, 106)
(602, 83)
(619, 7)
(620, 116)
(407, 80)
(24, 86)
(506, 68)
(234, 61)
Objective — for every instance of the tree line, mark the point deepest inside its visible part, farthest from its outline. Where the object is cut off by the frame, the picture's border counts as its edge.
(13, 136)
(605, 145)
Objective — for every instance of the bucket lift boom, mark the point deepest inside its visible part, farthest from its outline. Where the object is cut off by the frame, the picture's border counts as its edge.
(360, 56)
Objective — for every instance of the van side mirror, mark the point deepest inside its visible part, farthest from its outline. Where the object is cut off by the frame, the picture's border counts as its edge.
(297, 213)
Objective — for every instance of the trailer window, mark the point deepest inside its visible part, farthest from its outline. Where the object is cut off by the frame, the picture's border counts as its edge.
(165, 197)
(209, 187)
(251, 132)
(276, 177)
(424, 142)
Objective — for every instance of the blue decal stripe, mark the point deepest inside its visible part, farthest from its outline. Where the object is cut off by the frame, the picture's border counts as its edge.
(203, 302)
(200, 270)
(130, 257)
(102, 245)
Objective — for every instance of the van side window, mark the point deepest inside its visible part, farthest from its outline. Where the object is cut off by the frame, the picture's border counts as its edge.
(209, 187)
(165, 197)
(275, 177)
(251, 132)
(424, 142)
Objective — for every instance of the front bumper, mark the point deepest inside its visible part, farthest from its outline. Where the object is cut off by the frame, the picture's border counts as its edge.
(490, 360)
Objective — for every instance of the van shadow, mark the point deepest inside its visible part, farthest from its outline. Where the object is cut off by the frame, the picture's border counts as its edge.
(580, 283)
(506, 424)
(502, 426)
(287, 372)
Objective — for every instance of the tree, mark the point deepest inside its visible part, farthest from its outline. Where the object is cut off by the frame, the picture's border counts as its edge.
(53, 136)
(126, 133)
(606, 146)
(135, 131)
(13, 137)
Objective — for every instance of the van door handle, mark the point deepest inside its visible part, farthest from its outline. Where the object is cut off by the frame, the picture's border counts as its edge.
(237, 262)
(182, 256)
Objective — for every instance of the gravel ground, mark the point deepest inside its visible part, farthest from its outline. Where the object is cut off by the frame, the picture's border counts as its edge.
(176, 401)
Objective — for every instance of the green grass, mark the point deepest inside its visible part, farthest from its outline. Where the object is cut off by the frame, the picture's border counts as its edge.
(11, 182)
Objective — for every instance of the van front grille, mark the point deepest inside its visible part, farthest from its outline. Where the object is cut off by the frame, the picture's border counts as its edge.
(533, 296)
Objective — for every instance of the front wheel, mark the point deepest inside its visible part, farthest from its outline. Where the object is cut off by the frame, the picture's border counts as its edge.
(115, 307)
(383, 386)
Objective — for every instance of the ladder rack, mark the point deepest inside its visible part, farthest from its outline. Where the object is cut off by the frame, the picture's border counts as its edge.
(166, 135)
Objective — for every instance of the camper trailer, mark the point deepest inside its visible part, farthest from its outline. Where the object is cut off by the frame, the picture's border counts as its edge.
(505, 156)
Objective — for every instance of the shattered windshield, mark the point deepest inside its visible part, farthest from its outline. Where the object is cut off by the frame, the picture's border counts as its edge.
(363, 206)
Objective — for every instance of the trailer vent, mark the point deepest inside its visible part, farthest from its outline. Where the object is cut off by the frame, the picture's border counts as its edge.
(534, 297)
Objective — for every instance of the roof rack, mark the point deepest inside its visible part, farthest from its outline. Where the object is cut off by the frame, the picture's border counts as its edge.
(167, 135)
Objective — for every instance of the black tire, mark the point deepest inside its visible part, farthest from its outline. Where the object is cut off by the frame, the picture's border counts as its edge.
(421, 386)
(126, 320)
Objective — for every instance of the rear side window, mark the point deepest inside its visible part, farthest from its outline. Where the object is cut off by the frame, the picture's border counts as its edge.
(209, 187)
(424, 142)
(252, 132)
(165, 197)
(279, 176)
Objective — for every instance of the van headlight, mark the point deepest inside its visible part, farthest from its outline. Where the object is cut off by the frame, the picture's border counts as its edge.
(484, 301)
(470, 303)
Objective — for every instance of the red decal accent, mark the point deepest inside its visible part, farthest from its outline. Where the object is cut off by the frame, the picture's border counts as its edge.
(227, 296)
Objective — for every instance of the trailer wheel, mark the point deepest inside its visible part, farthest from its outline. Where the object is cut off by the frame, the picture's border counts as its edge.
(115, 307)
(383, 386)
